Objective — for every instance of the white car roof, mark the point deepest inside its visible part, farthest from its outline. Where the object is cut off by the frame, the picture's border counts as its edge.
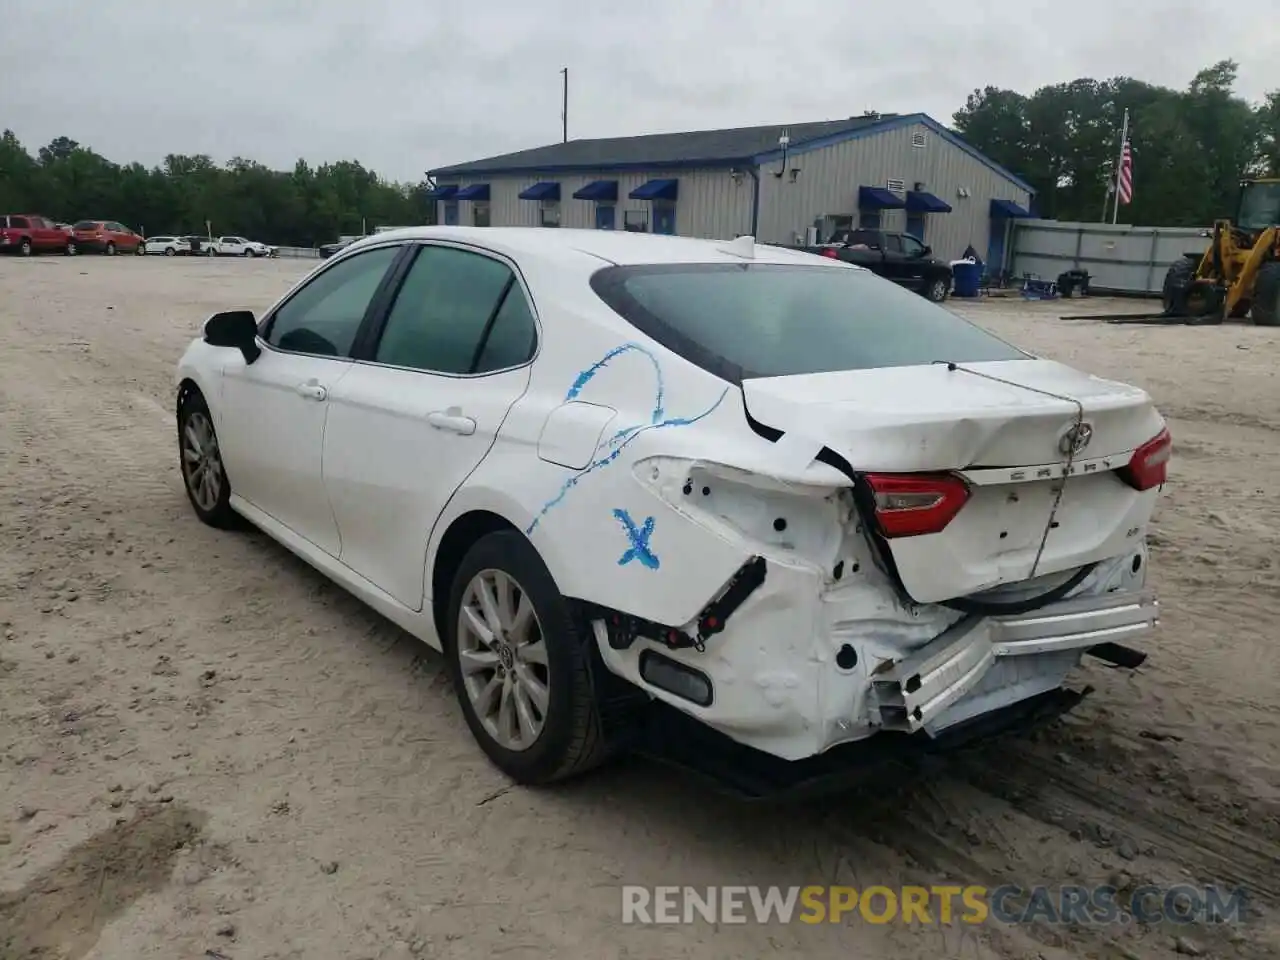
(615, 246)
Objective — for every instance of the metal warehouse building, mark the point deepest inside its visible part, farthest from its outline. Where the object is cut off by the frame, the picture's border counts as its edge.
(900, 172)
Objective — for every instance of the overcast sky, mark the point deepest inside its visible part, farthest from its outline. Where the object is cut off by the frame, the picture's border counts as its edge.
(405, 85)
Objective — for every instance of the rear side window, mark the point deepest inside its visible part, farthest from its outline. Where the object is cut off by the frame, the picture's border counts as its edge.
(18, 223)
(86, 225)
(457, 313)
(771, 320)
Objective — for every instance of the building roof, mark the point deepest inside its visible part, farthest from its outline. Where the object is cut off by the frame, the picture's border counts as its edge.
(704, 148)
(737, 143)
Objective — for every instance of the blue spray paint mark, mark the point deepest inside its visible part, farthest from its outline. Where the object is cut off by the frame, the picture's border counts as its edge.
(619, 441)
(639, 540)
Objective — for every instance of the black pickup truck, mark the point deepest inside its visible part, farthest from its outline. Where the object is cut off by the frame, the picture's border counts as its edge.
(899, 257)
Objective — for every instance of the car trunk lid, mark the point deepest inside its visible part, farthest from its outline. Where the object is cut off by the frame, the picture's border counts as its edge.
(1029, 504)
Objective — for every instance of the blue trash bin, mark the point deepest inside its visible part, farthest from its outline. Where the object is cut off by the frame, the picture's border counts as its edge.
(968, 279)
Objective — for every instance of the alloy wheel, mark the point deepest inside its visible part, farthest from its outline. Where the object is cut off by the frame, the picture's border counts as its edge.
(503, 659)
(201, 461)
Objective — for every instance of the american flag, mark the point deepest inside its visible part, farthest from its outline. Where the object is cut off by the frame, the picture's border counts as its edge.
(1126, 174)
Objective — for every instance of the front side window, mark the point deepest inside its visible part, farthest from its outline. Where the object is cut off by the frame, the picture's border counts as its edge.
(912, 247)
(770, 320)
(324, 316)
(457, 312)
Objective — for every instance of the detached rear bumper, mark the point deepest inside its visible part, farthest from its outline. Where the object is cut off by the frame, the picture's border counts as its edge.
(926, 690)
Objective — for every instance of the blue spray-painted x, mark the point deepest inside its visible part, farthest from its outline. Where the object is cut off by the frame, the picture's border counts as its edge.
(639, 539)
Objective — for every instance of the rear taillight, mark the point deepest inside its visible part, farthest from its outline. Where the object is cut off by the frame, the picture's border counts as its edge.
(912, 504)
(831, 252)
(1149, 465)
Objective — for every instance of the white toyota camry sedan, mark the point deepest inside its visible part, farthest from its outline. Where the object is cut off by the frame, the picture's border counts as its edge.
(610, 474)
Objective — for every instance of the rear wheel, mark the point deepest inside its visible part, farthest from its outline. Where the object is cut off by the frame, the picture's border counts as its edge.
(1177, 281)
(210, 252)
(170, 252)
(111, 249)
(200, 458)
(519, 663)
(24, 247)
(1266, 296)
(70, 249)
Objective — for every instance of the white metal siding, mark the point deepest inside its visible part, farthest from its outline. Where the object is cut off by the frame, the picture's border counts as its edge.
(714, 203)
(829, 179)
(711, 202)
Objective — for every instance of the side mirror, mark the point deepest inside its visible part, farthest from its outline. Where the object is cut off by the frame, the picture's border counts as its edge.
(237, 329)
(926, 251)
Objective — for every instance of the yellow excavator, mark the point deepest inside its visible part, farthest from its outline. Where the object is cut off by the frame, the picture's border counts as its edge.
(1239, 275)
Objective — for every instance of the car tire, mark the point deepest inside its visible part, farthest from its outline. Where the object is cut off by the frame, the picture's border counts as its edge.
(70, 249)
(936, 290)
(170, 252)
(24, 247)
(140, 250)
(554, 652)
(249, 254)
(198, 446)
(110, 249)
(211, 252)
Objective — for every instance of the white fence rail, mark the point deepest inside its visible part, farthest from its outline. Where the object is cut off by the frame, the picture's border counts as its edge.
(1119, 258)
(298, 253)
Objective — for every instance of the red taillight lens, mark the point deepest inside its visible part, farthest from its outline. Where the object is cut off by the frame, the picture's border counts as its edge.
(1149, 465)
(912, 504)
(831, 253)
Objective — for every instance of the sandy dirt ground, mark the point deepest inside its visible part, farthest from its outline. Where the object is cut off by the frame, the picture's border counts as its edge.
(206, 750)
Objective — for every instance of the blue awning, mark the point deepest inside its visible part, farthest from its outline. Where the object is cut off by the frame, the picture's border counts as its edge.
(446, 192)
(550, 190)
(1007, 210)
(918, 201)
(878, 198)
(477, 191)
(656, 190)
(601, 191)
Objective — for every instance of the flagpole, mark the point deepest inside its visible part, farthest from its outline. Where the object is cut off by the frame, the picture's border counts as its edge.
(1124, 138)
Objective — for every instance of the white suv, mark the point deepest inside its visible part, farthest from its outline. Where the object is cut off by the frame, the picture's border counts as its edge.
(169, 246)
(239, 247)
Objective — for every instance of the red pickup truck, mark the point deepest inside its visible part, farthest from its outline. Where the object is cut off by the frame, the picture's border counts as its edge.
(25, 234)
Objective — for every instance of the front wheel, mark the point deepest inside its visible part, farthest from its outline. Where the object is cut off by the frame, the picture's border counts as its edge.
(1266, 296)
(936, 290)
(25, 247)
(519, 664)
(200, 459)
(140, 250)
(170, 252)
(71, 250)
(249, 254)
(111, 249)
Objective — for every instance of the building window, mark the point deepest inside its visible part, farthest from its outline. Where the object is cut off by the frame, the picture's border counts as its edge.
(549, 213)
(915, 225)
(479, 213)
(869, 219)
(635, 221)
(451, 213)
(664, 218)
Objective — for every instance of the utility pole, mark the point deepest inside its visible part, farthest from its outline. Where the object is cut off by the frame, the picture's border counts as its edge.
(564, 111)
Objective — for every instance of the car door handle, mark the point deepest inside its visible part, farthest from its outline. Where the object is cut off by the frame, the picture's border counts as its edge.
(312, 391)
(452, 420)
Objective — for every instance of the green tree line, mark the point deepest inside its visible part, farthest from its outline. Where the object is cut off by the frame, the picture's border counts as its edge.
(306, 206)
(1190, 147)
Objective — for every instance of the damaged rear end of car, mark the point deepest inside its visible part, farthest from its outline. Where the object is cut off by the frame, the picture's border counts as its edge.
(936, 527)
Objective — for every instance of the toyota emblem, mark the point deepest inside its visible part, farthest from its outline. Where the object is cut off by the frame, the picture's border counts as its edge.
(1075, 438)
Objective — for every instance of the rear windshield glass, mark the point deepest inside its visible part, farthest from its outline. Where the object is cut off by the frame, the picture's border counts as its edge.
(771, 320)
(86, 225)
